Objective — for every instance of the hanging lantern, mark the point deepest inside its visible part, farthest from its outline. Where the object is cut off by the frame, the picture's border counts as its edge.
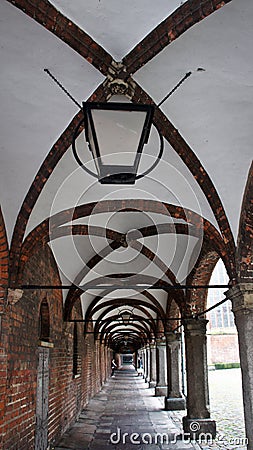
(116, 134)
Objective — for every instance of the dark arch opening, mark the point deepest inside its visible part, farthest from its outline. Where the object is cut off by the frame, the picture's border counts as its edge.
(75, 350)
(44, 321)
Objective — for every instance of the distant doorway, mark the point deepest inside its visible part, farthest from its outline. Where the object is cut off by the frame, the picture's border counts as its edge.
(127, 359)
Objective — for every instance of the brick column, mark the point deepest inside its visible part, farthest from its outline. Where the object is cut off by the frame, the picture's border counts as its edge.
(152, 382)
(198, 414)
(242, 301)
(161, 365)
(175, 399)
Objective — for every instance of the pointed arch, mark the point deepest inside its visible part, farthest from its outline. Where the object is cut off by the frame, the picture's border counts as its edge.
(244, 252)
(4, 261)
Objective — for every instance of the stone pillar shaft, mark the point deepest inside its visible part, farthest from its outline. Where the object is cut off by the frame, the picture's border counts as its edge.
(144, 360)
(161, 364)
(197, 378)
(152, 382)
(174, 399)
(142, 357)
(147, 377)
(242, 301)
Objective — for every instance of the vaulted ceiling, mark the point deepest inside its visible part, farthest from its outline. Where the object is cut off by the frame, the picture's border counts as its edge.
(185, 213)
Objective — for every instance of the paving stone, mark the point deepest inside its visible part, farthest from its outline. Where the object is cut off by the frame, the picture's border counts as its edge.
(103, 430)
(125, 415)
(82, 428)
(101, 446)
(63, 448)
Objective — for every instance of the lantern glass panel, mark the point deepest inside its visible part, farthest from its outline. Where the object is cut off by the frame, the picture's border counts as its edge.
(118, 135)
(92, 145)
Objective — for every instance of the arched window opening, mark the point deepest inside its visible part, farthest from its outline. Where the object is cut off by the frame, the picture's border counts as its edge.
(221, 318)
(222, 340)
(44, 321)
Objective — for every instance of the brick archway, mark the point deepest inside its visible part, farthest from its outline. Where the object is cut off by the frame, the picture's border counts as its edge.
(244, 253)
(201, 276)
(4, 261)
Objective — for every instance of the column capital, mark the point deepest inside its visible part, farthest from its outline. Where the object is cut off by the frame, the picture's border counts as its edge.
(195, 327)
(161, 341)
(172, 337)
(241, 296)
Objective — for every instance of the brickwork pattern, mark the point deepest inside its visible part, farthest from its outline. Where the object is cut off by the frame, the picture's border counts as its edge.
(67, 394)
(201, 275)
(4, 262)
(245, 236)
(223, 348)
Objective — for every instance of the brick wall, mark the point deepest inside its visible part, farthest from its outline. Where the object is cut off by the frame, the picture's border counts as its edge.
(4, 259)
(4, 256)
(67, 393)
(222, 348)
(3, 377)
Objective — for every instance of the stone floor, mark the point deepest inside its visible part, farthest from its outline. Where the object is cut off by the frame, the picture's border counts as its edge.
(125, 415)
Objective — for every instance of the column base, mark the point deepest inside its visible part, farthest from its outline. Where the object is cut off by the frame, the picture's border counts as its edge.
(199, 428)
(152, 384)
(161, 391)
(174, 404)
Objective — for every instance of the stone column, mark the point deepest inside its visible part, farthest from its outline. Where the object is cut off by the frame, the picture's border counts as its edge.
(103, 370)
(242, 301)
(109, 358)
(144, 361)
(198, 419)
(142, 356)
(175, 399)
(147, 376)
(135, 360)
(152, 382)
(97, 365)
(161, 365)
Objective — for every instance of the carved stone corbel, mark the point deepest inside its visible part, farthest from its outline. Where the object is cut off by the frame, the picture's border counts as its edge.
(118, 81)
(14, 295)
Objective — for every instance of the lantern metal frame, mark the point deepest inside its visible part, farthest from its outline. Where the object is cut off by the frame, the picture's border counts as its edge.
(115, 174)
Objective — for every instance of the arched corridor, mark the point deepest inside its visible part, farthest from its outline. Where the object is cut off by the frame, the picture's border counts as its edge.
(126, 175)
